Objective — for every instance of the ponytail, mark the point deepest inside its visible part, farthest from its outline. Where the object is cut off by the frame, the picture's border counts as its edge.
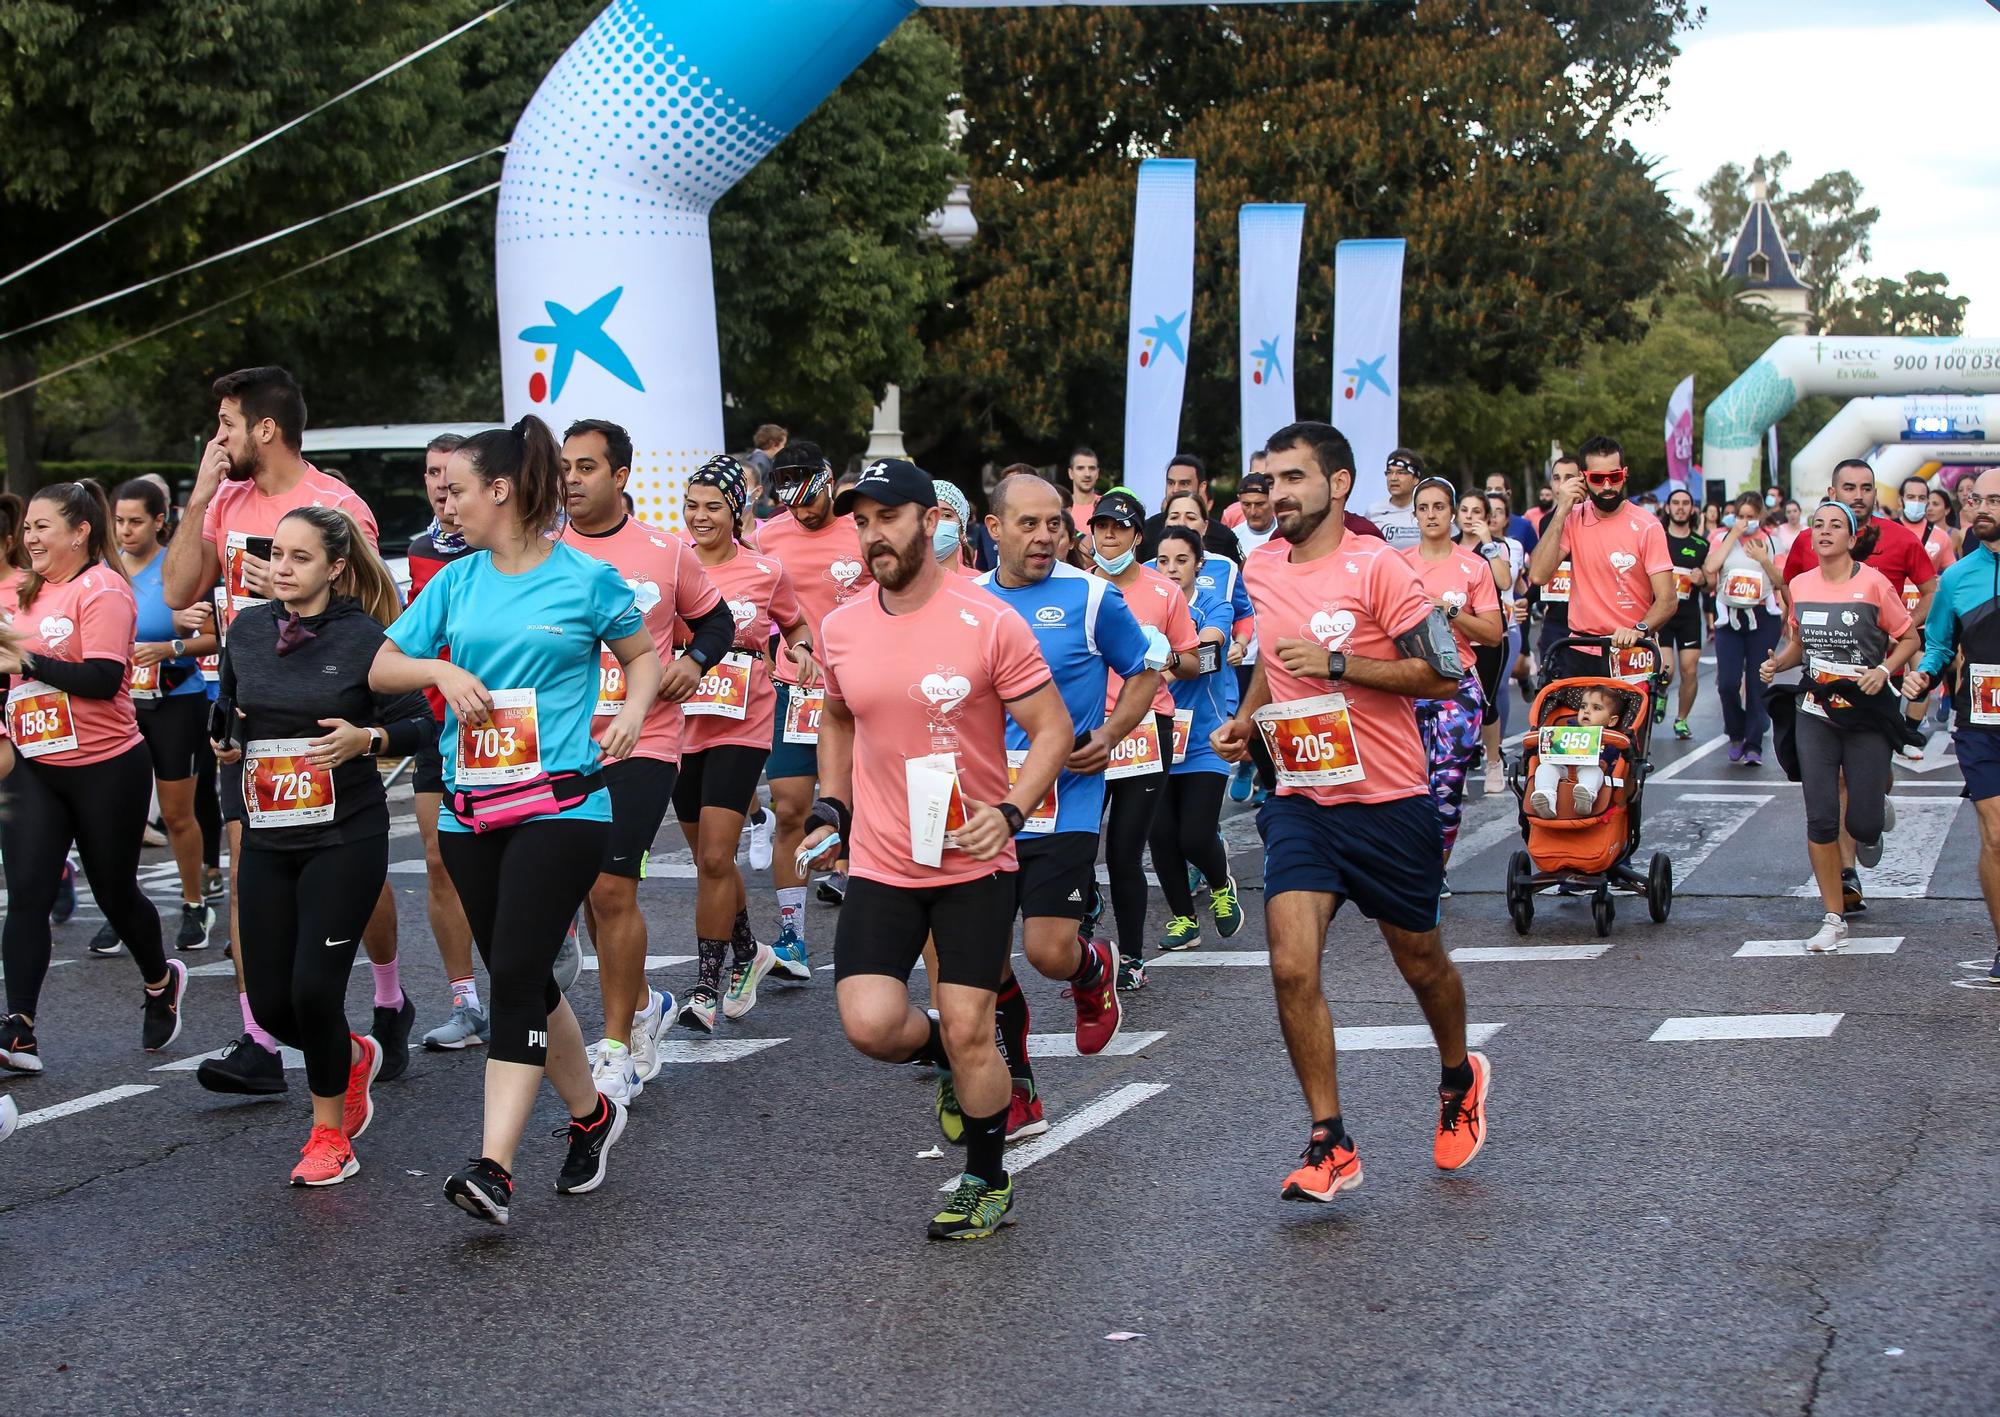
(527, 459)
(12, 512)
(82, 504)
(364, 577)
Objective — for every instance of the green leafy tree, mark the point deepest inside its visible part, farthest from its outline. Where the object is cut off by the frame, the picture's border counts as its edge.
(1921, 303)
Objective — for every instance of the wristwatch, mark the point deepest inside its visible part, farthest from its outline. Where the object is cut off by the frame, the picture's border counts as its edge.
(378, 741)
(179, 648)
(1451, 611)
(1015, 821)
(1336, 664)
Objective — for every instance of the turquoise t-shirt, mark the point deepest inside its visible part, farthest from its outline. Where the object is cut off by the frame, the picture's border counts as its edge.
(155, 625)
(535, 631)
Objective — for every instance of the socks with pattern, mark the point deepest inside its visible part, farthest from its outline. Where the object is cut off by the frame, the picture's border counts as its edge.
(388, 985)
(1010, 1017)
(792, 909)
(1090, 972)
(708, 972)
(1335, 1131)
(465, 993)
(985, 1141)
(742, 939)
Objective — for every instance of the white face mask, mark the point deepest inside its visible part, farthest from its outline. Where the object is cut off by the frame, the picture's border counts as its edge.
(1913, 511)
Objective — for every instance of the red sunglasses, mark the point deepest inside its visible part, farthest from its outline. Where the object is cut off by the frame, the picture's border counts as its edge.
(1609, 477)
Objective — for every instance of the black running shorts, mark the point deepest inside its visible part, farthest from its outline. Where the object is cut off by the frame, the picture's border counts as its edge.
(1055, 875)
(641, 791)
(883, 928)
(724, 776)
(176, 732)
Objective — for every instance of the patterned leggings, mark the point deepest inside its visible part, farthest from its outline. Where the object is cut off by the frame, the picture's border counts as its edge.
(1450, 729)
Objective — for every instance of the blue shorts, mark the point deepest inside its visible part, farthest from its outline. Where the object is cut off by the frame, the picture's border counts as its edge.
(1386, 857)
(788, 759)
(1979, 759)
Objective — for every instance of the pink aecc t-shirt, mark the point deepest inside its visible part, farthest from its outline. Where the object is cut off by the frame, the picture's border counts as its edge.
(760, 597)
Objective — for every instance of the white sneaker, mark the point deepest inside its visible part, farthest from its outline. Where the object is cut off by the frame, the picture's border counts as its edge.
(1832, 936)
(1910, 751)
(698, 1011)
(613, 1074)
(10, 1116)
(647, 1026)
(741, 996)
(760, 840)
(1583, 800)
(1496, 779)
(1540, 804)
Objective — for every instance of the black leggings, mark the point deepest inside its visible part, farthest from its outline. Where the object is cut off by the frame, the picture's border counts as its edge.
(1133, 801)
(1184, 833)
(302, 916)
(102, 808)
(207, 806)
(521, 887)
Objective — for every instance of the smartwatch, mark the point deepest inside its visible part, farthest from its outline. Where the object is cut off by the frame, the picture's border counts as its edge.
(1015, 821)
(1336, 664)
(1451, 612)
(378, 741)
(179, 647)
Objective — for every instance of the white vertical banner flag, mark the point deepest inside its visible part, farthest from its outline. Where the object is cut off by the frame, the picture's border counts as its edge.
(1680, 437)
(1267, 238)
(1367, 359)
(1157, 341)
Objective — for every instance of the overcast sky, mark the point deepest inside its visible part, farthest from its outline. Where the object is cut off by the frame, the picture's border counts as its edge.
(1899, 92)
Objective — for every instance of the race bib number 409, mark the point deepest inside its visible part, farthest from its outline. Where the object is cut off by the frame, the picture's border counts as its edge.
(1311, 741)
(281, 787)
(506, 748)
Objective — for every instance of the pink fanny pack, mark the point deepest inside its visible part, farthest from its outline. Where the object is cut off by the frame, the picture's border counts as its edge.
(519, 802)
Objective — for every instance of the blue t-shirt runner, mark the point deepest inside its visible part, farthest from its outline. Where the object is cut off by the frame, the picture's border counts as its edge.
(1212, 697)
(1084, 628)
(155, 626)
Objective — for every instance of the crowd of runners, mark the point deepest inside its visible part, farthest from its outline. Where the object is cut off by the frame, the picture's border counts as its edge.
(945, 721)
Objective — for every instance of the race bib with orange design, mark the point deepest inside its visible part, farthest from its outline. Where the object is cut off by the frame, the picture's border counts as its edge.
(1911, 595)
(1744, 587)
(233, 551)
(282, 787)
(1138, 753)
(1683, 584)
(1183, 726)
(1983, 687)
(1311, 741)
(724, 690)
(39, 719)
(506, 748)
(1635, 664)
(1558, 587)
(145, 681)
(1043, 818)
(211, 667)
(610, 686)
(802, 710)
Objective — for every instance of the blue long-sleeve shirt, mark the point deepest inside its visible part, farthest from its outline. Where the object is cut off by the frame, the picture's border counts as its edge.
(1966, 584)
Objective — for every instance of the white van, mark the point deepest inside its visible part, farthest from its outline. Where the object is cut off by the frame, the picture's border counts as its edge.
(385, 464)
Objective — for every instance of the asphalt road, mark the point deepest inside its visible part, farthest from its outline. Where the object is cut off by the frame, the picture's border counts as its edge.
(1800, 1220)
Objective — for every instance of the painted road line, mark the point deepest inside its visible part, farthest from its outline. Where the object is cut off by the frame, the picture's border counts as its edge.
(715, 1050)
(1063, 1045)
(1503, 825)
(212, 971)
(1081, 1122)
(1690, 838)
(1938, 753)
(1523, 954)
(1350, 1039)
(1787, 786)
(86, 1102)
(1793, 949)
(53, 964)
(1210, 959)
(1909, 853)
(1740, 1027)
(1682, 764)
(652, 962)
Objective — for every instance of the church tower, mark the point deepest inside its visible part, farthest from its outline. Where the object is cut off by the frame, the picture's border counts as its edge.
(1760, 261)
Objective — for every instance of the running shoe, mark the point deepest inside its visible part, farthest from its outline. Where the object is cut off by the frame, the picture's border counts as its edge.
(1852, 901)
(391, 1029)
(975, 1211)
(1993, 974)
(10, 1116)
(161, 1024)
(698, 1013)
(833, 887)
(18, 1050)
(1541, 804)
(1226, 909)
(1496, 778)
(358, 1107)
(1831, 935)
(761, 827)
(1093, 914)
(1911, 752)
(1330, 1168)
(1242, 778)
(1462, 1118)
(65, 905)
(614, 1074)
(743, 982)
(105, 943)
(1444, 886)
(1183, 933)
(1097, 1009)
(1659, 709)
(1681, 729)
(1735, 751)
(647, 1026)
(482, 1189)
(793, 962)
(1196, 883)
(466, 1028)
(569, 960)
(1024, 1113)
(213, 883)
(1131, 974)
(196, 923)
(1868, 853)
(326, 1159)
(589, 1144)
(951, 1121)
(246, 1066)
(1753, 757)
(154, 836)
(1888, 815)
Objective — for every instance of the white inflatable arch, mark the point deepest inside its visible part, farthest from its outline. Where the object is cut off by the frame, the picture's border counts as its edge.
(1850, 365)
(1885, 421)
(1900, 460)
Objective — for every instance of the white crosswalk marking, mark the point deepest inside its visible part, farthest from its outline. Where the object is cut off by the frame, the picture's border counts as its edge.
(1681, 764)
(86, 1103)
(1211, 959)
(652, 961)
(1063, 1045)
(1351, 1039)
(715, 1050)
(1085, 1119)
(1738, 1027)
(1690, 838)
(1793, 949)
(1909, 853)
(1500, 954)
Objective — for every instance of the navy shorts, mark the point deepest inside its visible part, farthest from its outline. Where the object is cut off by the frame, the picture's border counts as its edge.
(1386, 857)
(1979, 759)
(788, 759)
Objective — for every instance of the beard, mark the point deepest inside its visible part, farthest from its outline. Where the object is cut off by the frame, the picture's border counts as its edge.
(244, 468)
(1607, 502)
(1300, 526)
(1986, 528)
(909, 560)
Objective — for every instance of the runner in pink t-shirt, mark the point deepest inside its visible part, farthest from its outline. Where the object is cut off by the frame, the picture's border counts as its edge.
(1621, 575)
(921, 679)
(1349, 640)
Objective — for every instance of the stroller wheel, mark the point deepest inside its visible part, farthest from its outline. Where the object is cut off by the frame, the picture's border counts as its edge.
(1520, 900)
(1602, 912)
(1660, 887)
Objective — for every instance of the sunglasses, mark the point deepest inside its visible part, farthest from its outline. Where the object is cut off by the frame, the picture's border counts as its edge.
(1609, 477)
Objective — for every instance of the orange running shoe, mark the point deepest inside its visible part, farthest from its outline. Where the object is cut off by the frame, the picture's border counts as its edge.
(1462, 1118)
(359, 1109)
(326, 1159)
(1330, 1168)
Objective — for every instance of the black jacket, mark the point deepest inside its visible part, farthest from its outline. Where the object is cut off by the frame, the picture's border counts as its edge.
(1218, 538)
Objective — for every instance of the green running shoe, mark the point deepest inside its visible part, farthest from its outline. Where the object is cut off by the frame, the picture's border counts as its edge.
(1681, 729)
(1227, 910)
(975, 1211)
(1183, 933)
(951, 1121)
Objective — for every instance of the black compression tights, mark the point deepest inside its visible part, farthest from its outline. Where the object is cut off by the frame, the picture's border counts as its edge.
(1184, 833)
(102, 808)
(1129, 824)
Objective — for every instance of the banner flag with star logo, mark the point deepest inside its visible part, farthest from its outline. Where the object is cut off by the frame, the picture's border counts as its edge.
(1367, 362)
(1267, 236)
(1157, 345)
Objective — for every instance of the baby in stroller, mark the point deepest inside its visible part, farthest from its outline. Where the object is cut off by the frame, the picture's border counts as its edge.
(1596, 708)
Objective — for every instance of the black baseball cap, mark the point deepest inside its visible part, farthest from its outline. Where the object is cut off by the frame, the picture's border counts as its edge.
(892, 482)
(1254, 482)
(1120, 506)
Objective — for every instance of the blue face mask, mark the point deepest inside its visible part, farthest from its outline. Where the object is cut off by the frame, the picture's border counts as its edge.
(1913, 511)
(1728, 519)
(1115, 567)
(944, 540)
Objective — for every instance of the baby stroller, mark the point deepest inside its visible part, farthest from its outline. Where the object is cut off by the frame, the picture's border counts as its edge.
(1592, 852)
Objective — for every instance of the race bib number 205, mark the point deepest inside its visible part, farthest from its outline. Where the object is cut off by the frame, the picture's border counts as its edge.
(1311, 741)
